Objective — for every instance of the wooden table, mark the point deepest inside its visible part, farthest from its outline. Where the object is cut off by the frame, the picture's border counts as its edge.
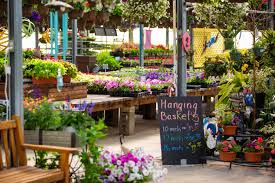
(125, 106)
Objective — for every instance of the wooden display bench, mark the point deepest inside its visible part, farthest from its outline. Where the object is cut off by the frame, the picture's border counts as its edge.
(69, 91)
(120, 111)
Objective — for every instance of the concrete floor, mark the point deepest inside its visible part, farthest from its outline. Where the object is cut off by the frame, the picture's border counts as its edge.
(147, 136)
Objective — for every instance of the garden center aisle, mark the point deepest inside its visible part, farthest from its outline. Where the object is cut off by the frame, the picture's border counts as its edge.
(148, 137)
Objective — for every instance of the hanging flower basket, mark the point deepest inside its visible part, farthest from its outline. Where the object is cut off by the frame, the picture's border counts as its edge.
(228, 43)
(3, 6)
(92, 16)
(253, 157)
(229, 130)
(75, 14)
(102, 17)
(27, 10)
(3, 21)
(227, 156)
(43, 10)
(34, 1)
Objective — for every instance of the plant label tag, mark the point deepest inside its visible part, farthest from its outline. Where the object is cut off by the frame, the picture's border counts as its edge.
(105, 66)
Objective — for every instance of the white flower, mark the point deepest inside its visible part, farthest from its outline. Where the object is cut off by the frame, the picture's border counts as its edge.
(132, 177)
(135, 169)
(126, 170)
(118, 162)
(111, 178)
(131, 163)
(145, 172)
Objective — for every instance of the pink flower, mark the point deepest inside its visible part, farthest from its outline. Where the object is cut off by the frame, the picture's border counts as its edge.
(225, 149)
(273, 151)
(260, 140)
(257, 147)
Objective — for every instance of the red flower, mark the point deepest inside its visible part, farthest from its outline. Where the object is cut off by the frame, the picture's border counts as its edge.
(273, 151)
(260, 140)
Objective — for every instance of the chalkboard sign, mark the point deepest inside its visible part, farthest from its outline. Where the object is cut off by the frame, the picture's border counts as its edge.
(181, 130)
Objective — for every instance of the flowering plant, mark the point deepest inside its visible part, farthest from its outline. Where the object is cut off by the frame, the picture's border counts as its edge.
(134, 166)
(273, 151)
(229, 146)
(255, 146)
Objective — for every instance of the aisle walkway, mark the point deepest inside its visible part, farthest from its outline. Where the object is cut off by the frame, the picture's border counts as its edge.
(147, 136)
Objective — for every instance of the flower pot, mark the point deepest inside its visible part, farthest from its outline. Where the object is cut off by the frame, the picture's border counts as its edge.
(253, 157)
(229, 130)
(27, 10)
(67, 79)
(227, 156)
(50, 80)
(228, 43)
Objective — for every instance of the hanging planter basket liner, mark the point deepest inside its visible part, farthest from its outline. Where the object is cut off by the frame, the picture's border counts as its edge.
(75, 14)
(3, 8)
(102, 17)
(34, 1)
(43, 10)
(3, 21)
(27, 10)
(91, 16)
(115, 20)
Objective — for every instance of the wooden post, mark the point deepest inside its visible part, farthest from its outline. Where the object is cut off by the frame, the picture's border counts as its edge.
(111, 117)
(127, 120)
(149, 111)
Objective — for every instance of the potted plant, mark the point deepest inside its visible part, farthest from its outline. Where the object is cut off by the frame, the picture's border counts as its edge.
(273, 158)
(253, 151)
(228, 150)
(78, 10)
(224, 15)
(229, 123)
(71, 71)
(43, 71)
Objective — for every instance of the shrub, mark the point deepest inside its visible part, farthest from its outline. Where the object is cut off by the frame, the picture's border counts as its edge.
(71, 69)
(106, 58)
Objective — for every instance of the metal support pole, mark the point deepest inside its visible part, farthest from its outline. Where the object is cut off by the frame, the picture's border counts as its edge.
(74, 39)
(141, 46)
(36, 37)
(167, 37)
(16, 57)
(271, 9)
(182, 23)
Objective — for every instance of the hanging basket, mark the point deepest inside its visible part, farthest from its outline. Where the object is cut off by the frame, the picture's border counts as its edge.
(34, 1)
(91, 16)
(228, 43)
(27, 10)
(43, 10)
(102, 17)
(75, 14)
(3, 21)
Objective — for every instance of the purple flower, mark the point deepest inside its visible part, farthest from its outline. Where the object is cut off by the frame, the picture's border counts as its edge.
(36, 16)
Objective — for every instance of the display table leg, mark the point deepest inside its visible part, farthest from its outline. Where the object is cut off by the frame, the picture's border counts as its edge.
(127, 120)
(111, 117)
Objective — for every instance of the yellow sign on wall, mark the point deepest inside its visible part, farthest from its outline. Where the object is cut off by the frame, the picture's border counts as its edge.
(201, 37)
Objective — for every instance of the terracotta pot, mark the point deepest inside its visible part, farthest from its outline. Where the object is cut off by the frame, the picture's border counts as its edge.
(43, 10)
(50, 80)
(27, 10)
(253, 157)
(227, 156)
(67, 79)
(229, 130)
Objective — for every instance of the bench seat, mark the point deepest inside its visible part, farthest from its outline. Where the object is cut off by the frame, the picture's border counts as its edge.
(27, 174)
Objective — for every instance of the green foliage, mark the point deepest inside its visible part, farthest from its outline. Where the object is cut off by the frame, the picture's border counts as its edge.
(226, 16)
(27, 27)
(76, 119)
(268, 43)
(43, 117)
(269, 132)
(42, 68)
(2, 68)
(2, 54)
(216, 66)
(91, 151)
(117, 10)
(106, 58)
(234, 84)
(46, 160)
(28, 54)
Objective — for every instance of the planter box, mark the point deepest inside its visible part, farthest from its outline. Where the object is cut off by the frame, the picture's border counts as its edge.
(85, 63)
(69, 91)
(56, 138)
(51, 80)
